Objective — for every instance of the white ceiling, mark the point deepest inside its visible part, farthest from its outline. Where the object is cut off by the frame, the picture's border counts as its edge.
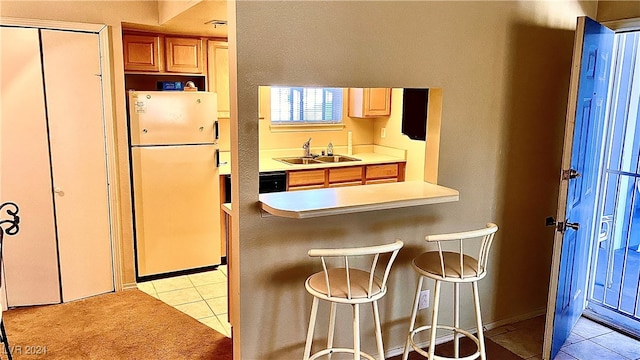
(193, 20)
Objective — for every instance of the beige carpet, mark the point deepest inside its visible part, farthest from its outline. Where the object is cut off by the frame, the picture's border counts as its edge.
(124, 325)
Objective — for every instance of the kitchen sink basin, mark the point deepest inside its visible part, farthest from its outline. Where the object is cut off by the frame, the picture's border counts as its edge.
(298, 160)
(301, 160)
(336, 159)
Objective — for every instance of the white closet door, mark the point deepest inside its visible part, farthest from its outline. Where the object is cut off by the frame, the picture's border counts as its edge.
(74, 104)
(30, 257)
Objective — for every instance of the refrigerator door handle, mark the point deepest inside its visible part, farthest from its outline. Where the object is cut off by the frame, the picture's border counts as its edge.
(218, 163)
(216, 130)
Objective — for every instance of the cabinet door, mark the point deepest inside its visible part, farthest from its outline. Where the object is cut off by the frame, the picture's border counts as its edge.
(184, 55)
(345, 174)
(71, 63)
(378, 101)
(218, 61)
(141, 53)
(382, 171)
(305, 178)
(369, 102)
(30, 258)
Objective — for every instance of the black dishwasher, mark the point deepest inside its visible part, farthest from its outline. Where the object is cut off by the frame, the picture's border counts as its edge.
(273, 181)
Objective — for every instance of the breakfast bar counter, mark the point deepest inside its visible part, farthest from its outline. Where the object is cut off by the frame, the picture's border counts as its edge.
(352, 199)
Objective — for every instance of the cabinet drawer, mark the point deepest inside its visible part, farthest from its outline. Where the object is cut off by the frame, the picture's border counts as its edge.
(381, 181)
(337, 175)
(305, 177)
(306, 187)
(342, 184)
(382, 171)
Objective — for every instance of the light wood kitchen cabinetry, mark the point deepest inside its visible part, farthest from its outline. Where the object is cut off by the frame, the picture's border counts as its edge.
(369, 102)
(345, 176)
(383, 173)
(157, 53)
(141, 52)
(184, 55)
(296, 180)
(218, 74)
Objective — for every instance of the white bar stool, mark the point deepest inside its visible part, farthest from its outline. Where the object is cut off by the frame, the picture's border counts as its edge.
(454, 267)
(348, 285)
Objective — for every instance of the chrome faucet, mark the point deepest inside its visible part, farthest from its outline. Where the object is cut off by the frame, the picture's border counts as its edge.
(307, 148)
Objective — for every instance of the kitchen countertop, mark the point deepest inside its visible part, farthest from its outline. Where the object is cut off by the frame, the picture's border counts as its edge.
(367, 154)
(270, 164)
(352, 199)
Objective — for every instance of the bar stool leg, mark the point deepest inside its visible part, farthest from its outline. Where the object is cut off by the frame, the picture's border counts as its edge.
(434, 320)
(414, 313)
(332, 326)
(376, 319)
(476, 301)
(312, 324)
(456, 319)
(356, 331)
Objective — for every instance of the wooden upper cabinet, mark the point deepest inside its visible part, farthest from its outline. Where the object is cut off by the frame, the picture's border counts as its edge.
(218, 74)
(141, 53)
(369, 102)
(184, 55)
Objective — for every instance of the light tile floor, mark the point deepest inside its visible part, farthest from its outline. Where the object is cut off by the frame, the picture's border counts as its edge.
(589, 340)
(202, 296)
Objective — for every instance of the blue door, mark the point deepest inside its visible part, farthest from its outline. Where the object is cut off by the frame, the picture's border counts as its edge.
(578, 193)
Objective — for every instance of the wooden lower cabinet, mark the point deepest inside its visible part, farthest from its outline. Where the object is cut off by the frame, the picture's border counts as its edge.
(345, 176)
(382, 171)
(343, 184)
(305, 178)
(380, 181)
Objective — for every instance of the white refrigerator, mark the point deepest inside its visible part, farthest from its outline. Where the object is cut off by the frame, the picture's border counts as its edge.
(176, 190)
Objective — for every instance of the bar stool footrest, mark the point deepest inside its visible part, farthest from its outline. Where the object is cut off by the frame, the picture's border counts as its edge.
(445, 327)
(339, 350)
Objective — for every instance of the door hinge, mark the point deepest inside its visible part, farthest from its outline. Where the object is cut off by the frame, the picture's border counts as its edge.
(570, 174)
(561, 226)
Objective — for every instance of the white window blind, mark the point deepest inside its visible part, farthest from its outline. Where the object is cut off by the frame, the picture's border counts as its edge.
(304, 105)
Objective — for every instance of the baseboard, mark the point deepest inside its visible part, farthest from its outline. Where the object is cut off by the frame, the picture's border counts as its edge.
(515, 319)
(444, 339)
(129, 286)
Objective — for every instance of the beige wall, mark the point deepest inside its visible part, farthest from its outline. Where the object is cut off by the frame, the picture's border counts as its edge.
(395, 138)
(616, 10)
(362, 130)
(503, 68)
(111, 13)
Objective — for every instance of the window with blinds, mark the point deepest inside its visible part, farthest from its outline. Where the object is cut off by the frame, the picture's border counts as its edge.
(305, 105)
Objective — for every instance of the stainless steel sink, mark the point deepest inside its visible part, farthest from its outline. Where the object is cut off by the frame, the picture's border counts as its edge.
(298, 160)
(301, 160)
(335, 159)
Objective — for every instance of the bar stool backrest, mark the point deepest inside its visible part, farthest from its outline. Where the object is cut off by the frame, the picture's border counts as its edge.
(485, 234)
(348, 254)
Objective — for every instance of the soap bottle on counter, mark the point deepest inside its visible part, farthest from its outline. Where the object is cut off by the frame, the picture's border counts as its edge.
(330, 149)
